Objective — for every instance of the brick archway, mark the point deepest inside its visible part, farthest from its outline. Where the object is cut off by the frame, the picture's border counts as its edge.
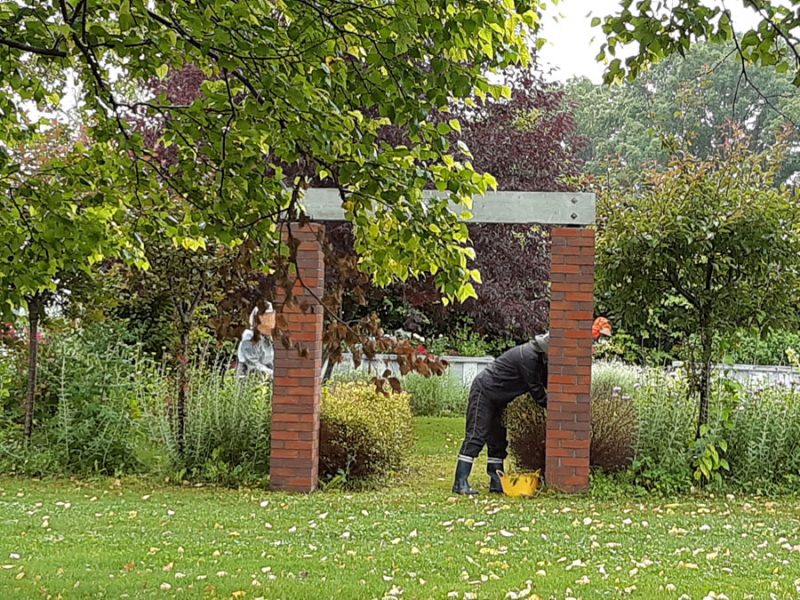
(296, 388)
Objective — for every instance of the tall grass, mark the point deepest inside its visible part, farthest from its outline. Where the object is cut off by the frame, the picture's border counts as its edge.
(227, 435)
(762, 434)
(666, 422)
(442, 395)
(764, 448)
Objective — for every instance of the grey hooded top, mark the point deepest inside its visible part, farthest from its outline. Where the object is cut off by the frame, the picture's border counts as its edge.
(255, 356)
(518, 371)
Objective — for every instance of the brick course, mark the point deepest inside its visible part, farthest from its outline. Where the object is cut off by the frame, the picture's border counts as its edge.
(296, 388)
(569, 409)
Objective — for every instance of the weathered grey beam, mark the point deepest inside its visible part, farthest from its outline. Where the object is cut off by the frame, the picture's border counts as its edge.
(548, 208)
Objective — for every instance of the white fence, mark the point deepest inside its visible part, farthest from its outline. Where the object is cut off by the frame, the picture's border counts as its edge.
(464, 368)
(757, 374)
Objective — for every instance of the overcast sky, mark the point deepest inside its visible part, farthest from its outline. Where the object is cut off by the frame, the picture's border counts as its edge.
(572, 43)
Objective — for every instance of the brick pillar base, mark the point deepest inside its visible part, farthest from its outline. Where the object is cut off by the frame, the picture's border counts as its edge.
(294, 459)
(569, 408)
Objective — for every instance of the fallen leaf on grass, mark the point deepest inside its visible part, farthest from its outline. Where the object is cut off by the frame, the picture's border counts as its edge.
(575, 564)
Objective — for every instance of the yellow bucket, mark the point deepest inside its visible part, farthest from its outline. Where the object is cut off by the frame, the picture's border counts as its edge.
(520, 484)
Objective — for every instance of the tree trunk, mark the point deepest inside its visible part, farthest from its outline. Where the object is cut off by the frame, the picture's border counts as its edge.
(34, 312)
(183, 385)
(705, 376)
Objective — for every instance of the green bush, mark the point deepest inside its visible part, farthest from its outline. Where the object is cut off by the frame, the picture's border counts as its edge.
(757, 432)
(105, 407)
(436, 395)
(363, 433)
(748, 347)
(464, 341)
(13, 361)
(227, 434)
(88, 414)
(10, 385)
(613, 421)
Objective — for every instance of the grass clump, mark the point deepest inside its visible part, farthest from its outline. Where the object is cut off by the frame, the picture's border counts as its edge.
(437, 395)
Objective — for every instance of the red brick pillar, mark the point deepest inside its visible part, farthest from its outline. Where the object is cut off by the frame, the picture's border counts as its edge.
(294, 459)
(569, 408)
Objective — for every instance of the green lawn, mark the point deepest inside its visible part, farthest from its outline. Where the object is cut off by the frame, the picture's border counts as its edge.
(412, 540)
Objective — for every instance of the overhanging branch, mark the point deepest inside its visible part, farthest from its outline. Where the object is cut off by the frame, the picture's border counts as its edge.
(53, 52)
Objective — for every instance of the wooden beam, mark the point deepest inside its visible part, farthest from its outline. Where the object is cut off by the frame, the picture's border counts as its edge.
(548, 208)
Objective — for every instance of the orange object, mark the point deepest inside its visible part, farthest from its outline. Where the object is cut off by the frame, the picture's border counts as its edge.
(601, 326)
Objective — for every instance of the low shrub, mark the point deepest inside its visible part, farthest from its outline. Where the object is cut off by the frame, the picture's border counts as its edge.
(436, 396)
(227, 435)
(363, 433)
(526, 423)
(613, 421)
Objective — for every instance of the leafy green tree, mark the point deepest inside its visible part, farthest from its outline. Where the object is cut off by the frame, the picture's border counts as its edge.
(705, 247)
(693, 98)
(295, 93)
(661, 28)
(60, 215)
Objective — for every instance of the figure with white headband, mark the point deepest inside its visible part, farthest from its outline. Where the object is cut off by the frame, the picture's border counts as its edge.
(256, 351)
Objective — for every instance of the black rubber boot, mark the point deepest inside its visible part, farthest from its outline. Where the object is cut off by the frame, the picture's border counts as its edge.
(461, 484)
(492, 467)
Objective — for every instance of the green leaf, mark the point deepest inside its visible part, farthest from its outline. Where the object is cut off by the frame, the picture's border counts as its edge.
(465, 292)
(125, 17)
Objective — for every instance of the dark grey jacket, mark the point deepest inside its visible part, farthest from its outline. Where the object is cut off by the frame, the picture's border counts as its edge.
(518, 371)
